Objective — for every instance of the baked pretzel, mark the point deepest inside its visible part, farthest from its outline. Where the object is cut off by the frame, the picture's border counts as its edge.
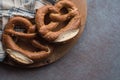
(30, 34)
(56, 17)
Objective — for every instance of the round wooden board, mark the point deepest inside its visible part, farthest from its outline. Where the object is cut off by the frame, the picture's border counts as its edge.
(59, 50)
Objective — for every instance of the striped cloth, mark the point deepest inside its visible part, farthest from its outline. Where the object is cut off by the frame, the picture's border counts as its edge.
(9, 8)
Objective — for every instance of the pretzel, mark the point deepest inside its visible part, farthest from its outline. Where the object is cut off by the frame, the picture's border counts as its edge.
(10, 45)
(56, 17)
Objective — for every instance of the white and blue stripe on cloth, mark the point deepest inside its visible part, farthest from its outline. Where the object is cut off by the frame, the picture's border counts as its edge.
(9, 8)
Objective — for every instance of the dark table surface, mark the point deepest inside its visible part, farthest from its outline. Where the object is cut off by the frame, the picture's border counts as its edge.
(96, 56)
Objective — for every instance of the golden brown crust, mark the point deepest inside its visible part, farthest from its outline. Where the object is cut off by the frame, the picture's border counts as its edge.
(56, 17)
(9, 42)
(15, 21)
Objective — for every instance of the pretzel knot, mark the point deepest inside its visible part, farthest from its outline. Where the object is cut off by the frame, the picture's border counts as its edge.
(28, 35)
(49, 19)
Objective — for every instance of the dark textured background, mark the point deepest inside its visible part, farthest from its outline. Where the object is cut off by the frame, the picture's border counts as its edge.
(96, 55)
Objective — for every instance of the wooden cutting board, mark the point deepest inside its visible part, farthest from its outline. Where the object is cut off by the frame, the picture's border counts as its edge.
(61, 49)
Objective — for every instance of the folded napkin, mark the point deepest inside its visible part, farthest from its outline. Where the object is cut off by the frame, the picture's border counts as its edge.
(9, 8)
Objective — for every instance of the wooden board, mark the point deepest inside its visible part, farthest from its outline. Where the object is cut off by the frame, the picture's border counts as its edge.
(60, 50)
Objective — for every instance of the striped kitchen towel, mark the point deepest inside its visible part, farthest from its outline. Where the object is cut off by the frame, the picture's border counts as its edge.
(9, 8)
